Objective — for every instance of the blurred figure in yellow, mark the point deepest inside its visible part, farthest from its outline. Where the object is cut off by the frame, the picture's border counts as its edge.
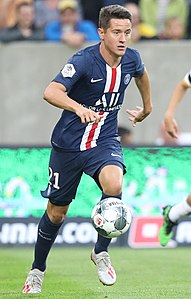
(140, 31)
(156, 13)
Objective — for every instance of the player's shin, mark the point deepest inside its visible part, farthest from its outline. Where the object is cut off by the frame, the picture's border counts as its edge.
(47, 233)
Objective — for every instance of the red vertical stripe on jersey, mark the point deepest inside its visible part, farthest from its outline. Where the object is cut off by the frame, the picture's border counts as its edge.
(113, 79)
(91, 134)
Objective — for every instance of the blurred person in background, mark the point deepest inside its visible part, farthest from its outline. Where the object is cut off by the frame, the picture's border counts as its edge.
(140, 31)
(171, 214)
(24, 29)
(70, 29)
(8, 15)
(125, 136)
(46, 12)
(174, 29)
(156, 12)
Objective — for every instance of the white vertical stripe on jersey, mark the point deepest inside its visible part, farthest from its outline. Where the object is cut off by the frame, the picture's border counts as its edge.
(104, 102)
(109, 78)
(97, 130)
(116, 99)
(96, 133)
(112, 99)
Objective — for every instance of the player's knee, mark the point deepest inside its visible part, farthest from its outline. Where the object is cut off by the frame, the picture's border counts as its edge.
(56, 218)
(56, 213)
(111, 178)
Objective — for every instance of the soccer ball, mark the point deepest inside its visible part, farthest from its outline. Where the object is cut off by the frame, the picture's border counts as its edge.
(111, 217)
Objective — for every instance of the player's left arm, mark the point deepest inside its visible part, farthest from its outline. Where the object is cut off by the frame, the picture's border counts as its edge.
(143, 85)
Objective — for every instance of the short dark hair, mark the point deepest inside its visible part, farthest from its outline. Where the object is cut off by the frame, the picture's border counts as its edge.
(112, 12)
(22, 4)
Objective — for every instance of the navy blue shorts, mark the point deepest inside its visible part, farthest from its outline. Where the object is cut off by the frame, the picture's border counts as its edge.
(66, 169)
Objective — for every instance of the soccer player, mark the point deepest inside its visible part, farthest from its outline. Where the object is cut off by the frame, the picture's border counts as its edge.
(172, 214)
(90, 89)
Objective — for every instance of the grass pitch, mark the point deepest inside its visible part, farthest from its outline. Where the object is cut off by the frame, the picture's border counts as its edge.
(141, 273)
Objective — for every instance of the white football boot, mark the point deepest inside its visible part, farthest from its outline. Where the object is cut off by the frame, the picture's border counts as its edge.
(106, 272)
(33, 283)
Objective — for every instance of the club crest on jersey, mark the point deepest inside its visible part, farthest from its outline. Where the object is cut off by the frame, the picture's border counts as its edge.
(126, 79)
(68, 70)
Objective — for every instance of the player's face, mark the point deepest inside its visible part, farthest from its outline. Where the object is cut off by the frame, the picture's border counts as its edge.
(116, 37)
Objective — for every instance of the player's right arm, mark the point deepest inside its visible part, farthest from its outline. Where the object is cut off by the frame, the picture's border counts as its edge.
(169, 121)
(56, 95)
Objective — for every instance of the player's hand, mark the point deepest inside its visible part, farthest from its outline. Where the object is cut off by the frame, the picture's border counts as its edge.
(87, 115)
(171, 126)
(136, 115)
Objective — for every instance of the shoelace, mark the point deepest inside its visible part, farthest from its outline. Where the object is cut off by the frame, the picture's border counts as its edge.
(35, 280)
(103, 260)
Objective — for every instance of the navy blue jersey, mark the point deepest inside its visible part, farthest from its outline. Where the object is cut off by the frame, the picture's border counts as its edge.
(90, 81)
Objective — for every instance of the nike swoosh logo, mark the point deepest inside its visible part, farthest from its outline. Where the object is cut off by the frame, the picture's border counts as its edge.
(95, 80)
(115, 155)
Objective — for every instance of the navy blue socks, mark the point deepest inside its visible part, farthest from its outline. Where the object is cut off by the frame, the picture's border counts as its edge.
(104, 195)
(47, 233)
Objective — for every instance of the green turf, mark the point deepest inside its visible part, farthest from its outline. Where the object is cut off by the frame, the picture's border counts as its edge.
(141, 273)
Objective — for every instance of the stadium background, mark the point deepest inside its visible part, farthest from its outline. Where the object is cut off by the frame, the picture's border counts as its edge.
(155, 175)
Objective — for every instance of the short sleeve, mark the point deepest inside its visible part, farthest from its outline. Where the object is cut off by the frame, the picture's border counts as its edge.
(140, 67)
(72, 71)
